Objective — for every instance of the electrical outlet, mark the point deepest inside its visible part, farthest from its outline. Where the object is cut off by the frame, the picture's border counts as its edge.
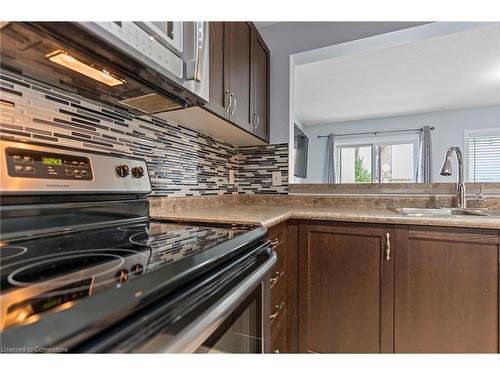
(277, 178)
(231, 176)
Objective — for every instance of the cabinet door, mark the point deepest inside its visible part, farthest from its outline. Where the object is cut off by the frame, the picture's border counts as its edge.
(260, 89)
(238, 72)
(446, 298)
(218, 97)
(345, 288)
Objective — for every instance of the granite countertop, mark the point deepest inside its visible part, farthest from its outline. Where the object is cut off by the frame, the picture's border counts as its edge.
(269, 215)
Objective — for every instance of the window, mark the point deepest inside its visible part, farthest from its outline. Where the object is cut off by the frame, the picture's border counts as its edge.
(356, 164)
(386, 160)
(483, 155)
(397, 163)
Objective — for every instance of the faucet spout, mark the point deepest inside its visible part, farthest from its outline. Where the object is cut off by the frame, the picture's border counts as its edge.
(447, 170)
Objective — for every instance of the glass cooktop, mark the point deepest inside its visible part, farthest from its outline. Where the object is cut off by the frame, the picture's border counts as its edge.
(54, 273)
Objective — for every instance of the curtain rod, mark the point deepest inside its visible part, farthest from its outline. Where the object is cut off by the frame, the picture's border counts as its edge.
(375, 133)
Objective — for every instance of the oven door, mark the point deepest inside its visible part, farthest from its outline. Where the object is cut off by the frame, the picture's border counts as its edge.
(243, 331)
(224, 311)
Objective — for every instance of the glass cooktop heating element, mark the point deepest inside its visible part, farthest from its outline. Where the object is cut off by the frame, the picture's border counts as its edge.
(38, 276)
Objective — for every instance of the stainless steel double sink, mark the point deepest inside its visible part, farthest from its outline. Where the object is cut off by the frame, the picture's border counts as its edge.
(438, 212)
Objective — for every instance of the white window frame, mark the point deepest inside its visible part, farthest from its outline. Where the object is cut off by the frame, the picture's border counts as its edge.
(339, 159)
(467, 135)
(374, 141)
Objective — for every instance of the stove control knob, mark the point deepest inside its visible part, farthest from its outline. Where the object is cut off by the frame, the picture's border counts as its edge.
(121, 276)
(137, 269)
(122, 170)
(137, 172)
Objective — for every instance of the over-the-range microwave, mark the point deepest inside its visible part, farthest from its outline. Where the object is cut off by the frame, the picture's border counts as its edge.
(149, 67)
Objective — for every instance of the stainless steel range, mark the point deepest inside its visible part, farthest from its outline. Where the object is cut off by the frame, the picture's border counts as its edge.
(84, 270)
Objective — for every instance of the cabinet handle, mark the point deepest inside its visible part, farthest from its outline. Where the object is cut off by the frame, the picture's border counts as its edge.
(275, 242)
(275, 277)
(235, 102)
(258, 121)
(255, 123)
(388, 246)
(230, 100)
(278, 309)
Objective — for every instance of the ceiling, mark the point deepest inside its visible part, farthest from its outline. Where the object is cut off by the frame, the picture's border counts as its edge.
(260, 25)
(457, 70)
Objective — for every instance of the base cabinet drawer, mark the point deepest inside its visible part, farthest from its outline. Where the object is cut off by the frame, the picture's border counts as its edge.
(279, 335)
(279, 290)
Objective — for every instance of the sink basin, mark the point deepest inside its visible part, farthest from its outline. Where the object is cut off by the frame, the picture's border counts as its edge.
(441, 212)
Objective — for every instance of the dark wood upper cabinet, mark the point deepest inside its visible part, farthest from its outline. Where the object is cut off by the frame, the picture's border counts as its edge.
(238, 72)
(345, 288)
(239, 76)
(447, 290)
(260, 89)
(217, 84)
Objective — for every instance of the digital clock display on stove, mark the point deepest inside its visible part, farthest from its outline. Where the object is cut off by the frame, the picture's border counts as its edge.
(51, 161)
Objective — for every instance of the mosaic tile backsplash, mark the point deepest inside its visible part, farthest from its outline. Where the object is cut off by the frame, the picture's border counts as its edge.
(181, 161)
(257, 165)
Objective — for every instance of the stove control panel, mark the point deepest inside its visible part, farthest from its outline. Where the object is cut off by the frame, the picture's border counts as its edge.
(28, 168)
(39, 164)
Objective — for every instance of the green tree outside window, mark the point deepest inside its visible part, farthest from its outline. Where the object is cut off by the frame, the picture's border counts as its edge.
(361, 173)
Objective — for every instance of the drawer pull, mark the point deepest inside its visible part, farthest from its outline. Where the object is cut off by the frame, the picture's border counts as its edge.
(276, 276)
(275, 242)
(278, 309)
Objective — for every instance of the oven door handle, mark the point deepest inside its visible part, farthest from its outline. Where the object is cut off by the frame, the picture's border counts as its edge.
(195, 334)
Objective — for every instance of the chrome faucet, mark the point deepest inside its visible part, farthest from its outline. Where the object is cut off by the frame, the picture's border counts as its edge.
(446, 170)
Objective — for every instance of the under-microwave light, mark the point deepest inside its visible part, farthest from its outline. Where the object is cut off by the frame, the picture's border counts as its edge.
(64, 59)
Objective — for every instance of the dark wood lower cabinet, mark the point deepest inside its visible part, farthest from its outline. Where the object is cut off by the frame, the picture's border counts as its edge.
(447, 288)
(345, 288)
(368, 288)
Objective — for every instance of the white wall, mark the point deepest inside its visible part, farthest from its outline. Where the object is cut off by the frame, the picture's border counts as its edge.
(450, 127)
(287, 38)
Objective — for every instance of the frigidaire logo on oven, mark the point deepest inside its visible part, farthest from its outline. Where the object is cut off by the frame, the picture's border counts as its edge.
(57, 185)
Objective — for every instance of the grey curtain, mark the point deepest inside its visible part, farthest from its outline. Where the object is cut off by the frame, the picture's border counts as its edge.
(330, 160)
(424, 166)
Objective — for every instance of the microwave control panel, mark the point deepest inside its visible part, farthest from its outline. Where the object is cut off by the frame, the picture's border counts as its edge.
(39, 164)
(150, 47)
